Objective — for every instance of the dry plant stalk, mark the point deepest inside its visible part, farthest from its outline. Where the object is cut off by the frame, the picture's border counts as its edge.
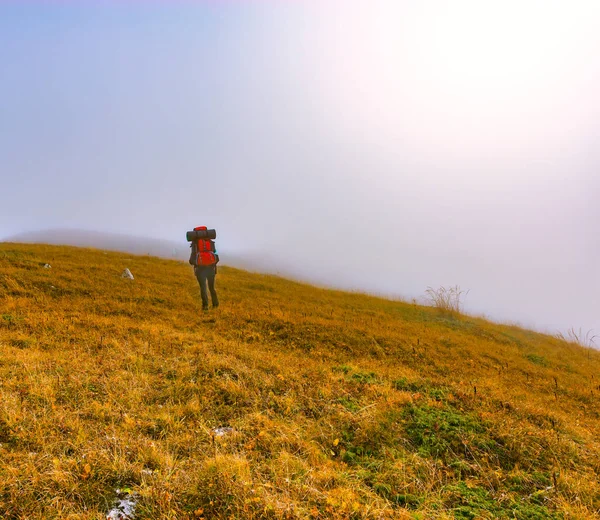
(446, 299)
(587, 339)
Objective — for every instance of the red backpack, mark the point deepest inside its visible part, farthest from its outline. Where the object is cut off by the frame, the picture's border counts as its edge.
(205, 254)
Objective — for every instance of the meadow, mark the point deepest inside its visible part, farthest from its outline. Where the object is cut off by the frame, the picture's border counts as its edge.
(287, 402)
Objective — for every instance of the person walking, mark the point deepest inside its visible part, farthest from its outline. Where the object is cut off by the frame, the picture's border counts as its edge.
(204, 258)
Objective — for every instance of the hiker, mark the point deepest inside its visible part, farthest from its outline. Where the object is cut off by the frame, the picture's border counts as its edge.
(204, 258)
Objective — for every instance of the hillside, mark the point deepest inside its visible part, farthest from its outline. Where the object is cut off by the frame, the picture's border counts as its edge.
(287, 402)
(144, 245)
(135, 245)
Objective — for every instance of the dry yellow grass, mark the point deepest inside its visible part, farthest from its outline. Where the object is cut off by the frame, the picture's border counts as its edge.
(340, 405)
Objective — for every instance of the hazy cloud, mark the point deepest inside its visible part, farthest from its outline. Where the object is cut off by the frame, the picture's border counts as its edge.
(385, 146)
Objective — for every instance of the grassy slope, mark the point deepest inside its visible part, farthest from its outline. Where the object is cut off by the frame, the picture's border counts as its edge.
(343, 405)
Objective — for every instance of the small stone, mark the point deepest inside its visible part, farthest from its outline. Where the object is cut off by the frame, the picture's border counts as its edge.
(224, 430)
(47, 266)
(127, 274)
(125, 505)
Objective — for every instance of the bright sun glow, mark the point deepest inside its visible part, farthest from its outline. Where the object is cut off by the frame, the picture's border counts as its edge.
(483, 50)
(468, 72)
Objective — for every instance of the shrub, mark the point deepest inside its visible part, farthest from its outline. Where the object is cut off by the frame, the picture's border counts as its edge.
(446, 299)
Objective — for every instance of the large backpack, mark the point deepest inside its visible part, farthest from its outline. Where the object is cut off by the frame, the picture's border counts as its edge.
(204, 250)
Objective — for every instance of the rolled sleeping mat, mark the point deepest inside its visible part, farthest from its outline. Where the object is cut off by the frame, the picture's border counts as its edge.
(204, 234)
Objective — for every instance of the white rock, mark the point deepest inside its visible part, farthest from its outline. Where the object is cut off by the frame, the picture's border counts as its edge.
(127, 274)
(124, 508)
(224, 430)
(47, 266)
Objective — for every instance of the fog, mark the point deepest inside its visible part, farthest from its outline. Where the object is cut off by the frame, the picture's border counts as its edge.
(380, 146)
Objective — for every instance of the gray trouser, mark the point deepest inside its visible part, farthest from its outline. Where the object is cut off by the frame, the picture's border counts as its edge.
(206, 274)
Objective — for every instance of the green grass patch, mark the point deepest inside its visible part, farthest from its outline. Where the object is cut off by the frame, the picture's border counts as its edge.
(470, 503)
(537, 360)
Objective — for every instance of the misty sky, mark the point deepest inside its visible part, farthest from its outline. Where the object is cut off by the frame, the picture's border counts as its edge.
(384, 146)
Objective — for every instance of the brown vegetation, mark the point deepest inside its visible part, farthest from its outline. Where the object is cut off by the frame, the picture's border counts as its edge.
(333, 405)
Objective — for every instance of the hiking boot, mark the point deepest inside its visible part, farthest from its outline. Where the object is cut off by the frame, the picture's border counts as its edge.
(215, 305)
(205, 308)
